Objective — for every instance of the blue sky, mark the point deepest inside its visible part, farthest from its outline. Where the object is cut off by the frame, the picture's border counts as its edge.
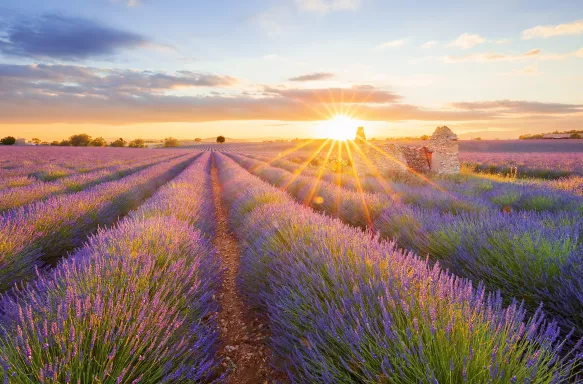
(279, 68)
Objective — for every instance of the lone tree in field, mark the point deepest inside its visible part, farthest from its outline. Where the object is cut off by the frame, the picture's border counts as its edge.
(137, 143)
(171, 142)
(81, 140)
(197, 140)
(220, 139)
(8, 140)
(118, 143)
(98, 142)
(36, 141)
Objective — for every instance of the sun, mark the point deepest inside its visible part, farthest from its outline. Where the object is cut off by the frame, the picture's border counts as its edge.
(340, 127)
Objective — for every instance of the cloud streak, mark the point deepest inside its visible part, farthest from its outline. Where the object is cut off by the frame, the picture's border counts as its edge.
(520, 107)
(467, 41)
(546, 31)
(391, 44)
(488, 57)
(76, 94)
(313, 77)
(429, 44)
(58, 37)
(325, 6)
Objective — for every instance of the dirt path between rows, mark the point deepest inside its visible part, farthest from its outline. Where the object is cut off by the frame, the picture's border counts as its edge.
(243, 332)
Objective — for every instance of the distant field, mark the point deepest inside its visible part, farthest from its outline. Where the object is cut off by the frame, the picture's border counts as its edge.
(549, 159)
(533, 158)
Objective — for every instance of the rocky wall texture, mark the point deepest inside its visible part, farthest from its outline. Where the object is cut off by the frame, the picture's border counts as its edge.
(441, 156)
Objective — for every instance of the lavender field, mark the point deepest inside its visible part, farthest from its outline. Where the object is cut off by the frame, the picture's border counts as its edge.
(222, 263)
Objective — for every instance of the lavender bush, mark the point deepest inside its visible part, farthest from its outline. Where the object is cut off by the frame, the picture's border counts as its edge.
(345, 307)
(16, 196)
(530, 256)
(134, 305)
(44, 231)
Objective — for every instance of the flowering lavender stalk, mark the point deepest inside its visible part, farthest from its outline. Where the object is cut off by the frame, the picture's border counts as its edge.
(530, 256)
(51, 163)
(18, 196)
(134, 305)
(345, 307)
(550, 165)
(43, 232)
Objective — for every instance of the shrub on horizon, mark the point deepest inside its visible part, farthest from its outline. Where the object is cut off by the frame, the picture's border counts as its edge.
(119, 143)
(80, 140)
(98, 142)
(8, 140)
(171, 142)
(137, 143)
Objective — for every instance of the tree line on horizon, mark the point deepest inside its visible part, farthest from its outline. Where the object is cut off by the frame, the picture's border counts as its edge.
(84, 140)
(574, 134)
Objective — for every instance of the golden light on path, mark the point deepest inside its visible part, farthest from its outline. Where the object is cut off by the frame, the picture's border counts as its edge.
(340, 127)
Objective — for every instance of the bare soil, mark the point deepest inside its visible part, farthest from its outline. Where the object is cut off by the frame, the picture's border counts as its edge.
(246, 357)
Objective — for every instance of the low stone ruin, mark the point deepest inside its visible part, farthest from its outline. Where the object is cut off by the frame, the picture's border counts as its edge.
(440, 157)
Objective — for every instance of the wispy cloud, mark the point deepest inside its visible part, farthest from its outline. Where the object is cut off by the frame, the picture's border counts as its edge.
(520, 107)
(354, 95)
(129, 3)
(489, 56)
(502, 41)
(325, 6)
(429, 44)
(273, 21)
(313, 77)
(391, 44)
(73, 79)
(466, 41)
(546, 31)
(529, 70)
(65, 38)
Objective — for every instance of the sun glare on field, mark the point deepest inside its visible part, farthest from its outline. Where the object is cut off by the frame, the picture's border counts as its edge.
(340, 127)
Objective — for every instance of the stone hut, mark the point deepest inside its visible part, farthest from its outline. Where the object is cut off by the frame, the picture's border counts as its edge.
(445, 152)
(441, 156)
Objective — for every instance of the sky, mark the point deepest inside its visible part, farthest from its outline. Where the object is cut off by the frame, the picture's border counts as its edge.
(285, 68)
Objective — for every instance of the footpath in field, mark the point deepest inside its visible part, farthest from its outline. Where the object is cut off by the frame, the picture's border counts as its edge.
(243, 332)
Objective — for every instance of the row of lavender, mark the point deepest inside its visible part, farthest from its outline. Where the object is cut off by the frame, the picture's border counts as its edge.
(550, 165)
(20, 166)
(17, 196)
(535, 257)
(40, 233)
(463, 194)
(134, 305)
(345, 308)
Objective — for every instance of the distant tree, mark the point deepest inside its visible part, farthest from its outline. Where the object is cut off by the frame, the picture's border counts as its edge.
(44, 143)
(98, 142)
(137, 143)
(65, 143)
(220, 139)
(425, 137)
(198, 140)
(576, 136)
(36, 141)
(118, 143)
(81, 140)
(55, 143)
(8, 140)
(477, 138)
(171, 142)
